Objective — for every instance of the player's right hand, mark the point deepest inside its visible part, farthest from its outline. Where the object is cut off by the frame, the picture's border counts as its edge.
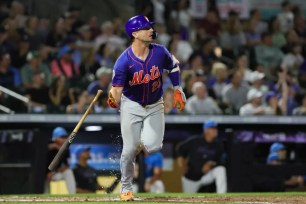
(111, 101)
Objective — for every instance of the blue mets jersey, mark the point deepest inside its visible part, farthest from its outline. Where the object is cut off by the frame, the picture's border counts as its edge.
(142, 80)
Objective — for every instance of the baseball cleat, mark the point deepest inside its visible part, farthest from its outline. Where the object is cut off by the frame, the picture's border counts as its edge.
(127, 196)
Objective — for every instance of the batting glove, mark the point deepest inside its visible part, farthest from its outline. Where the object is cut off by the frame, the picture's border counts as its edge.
(179, 98)
(111, 101)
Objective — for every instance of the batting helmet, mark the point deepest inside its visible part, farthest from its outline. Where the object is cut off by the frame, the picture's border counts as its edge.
(137, 23)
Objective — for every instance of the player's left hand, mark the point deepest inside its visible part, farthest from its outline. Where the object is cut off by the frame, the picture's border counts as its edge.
(179, 98)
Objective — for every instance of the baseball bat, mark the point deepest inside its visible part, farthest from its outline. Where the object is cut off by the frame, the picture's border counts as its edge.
(72, 135)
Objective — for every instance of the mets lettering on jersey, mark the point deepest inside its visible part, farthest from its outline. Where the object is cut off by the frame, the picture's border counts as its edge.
(138, 79)
(142, 79)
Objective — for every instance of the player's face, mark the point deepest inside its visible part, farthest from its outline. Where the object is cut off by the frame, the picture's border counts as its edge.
(144, 34)
(210, 134)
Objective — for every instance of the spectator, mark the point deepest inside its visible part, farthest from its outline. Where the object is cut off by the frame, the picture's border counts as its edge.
(38, 93)
(85, 175)
(181, 18)
(34, 66)
(210, 25)
(104, 76)
(60, 95)
(218, 79)
(207, 51)
(89, 67)
(19, 58)
(301, 110)
(294, 59)
(94, 27)
(200, 103)
(254, 106)
(153, 171)
(62, 171)
(108, 36)
(278, 37)
(299, 25)
(81, 105)
(268, 56)
(180, 48)
(256, 80)
(104, 56)
(200, 158)
(234, 95)
(251, 34)
(255, 20)
(85, 42)
(9, 75)
(286, 17)
(5, 44)
(163, 36)
(292, 38)
(57, 33)
(243, 67)
(189, 79)
(232, 38)
(30, 29)
(63, 65)
(196, 64)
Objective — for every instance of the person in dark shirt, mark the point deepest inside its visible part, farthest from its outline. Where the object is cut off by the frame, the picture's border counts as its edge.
(86, 176)
(62, 171)
(199, 159)
(9, 76)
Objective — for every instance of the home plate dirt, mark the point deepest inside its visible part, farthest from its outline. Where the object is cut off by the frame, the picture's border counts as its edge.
(244, 199)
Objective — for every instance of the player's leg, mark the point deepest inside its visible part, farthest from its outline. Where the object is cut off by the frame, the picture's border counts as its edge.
(131, 125)
(70, 181)
(190, 186)
(153, 128)
(217, 174)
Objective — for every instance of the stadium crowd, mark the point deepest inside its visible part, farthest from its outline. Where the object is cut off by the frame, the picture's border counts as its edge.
(231, 66)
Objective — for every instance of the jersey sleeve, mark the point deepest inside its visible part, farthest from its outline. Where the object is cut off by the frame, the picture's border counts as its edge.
(172, 65)
(119, 72)
(169, 62)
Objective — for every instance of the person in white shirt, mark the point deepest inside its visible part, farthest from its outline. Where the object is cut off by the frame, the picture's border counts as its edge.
(286, 17)
(254, 106)
(200, 102)
(294, 58)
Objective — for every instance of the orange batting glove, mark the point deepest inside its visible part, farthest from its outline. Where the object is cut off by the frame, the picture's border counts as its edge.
(111, 101)
(179, 99)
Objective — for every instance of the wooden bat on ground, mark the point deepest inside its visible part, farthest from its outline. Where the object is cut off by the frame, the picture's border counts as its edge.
(71, 137)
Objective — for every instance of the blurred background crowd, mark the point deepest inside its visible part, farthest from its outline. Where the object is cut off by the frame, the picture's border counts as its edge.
(229, 66)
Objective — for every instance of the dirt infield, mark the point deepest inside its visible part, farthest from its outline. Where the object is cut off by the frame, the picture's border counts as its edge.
(232, 199)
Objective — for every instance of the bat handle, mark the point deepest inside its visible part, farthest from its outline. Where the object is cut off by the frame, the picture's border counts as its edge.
(59, 155)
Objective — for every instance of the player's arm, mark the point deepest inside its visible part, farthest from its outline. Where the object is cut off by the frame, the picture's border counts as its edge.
(182, 164)
(174, 75)
(183, 150)
(118, 81)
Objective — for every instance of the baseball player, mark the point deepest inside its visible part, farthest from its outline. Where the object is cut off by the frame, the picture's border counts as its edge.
(137, 90)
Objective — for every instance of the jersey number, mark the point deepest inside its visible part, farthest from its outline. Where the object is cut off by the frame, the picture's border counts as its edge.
(155, 85)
